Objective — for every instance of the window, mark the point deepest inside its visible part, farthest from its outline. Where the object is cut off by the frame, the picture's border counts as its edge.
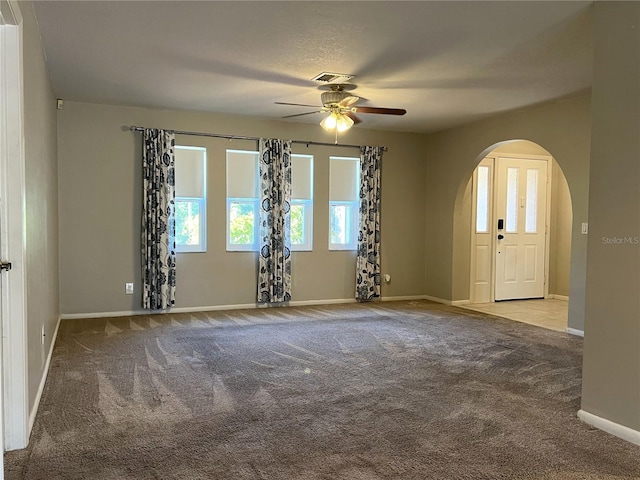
(301, 202)
(344, 187)
(243, 216)
(242, 201)
(191, 199)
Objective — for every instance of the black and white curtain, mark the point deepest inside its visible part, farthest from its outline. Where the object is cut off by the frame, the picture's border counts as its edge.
(158, 222)
(368, 259)
(274, 265)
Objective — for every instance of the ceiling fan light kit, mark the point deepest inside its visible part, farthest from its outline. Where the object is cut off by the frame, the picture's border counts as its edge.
(337, 121)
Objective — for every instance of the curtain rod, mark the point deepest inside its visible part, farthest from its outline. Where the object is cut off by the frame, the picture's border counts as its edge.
(242, 137)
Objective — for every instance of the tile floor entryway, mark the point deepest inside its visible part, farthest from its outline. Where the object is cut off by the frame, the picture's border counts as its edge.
(546, 313)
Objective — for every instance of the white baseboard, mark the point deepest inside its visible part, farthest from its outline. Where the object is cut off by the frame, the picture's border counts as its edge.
(43, 380)
(575, 331)
(626, 433)
(401, 298)
(330, 301)
(437, 300)
(453, 303)
(208, 308)
(73, 316)
(457, 303)
(131, 313)
(558, 297)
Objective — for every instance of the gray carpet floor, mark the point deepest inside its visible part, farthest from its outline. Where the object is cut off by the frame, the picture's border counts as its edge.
(398, 390)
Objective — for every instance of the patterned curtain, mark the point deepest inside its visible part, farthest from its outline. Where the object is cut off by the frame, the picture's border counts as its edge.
(274, 266)
(368, 259)
(158, 222)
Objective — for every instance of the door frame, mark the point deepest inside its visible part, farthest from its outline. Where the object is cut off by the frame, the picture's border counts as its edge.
(472, 270)
(13, 358)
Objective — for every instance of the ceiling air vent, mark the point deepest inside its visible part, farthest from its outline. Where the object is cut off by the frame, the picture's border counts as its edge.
(328, 77)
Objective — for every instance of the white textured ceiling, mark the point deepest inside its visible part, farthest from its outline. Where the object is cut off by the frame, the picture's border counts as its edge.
(446, 63)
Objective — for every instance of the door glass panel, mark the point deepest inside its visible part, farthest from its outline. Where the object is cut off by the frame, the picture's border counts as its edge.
(512, 199)
(482, 200)
(531, 213)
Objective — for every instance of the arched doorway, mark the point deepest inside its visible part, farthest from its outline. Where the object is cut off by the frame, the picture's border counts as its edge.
(519, 212)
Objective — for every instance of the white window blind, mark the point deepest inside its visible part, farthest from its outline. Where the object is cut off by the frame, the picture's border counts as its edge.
(242, 200)
(301, 202)
(191, 198)
(344, 187)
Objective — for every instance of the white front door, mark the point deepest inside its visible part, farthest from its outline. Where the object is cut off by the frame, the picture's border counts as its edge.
(521, 214)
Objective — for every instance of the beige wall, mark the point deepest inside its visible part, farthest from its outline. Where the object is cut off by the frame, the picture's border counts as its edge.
(562, 128)
(41, 195)
(522, 147)
(611, 367)
(100, 208)
(559, 223)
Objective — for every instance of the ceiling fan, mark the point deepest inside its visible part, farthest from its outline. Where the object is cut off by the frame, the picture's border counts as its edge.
(340, 104)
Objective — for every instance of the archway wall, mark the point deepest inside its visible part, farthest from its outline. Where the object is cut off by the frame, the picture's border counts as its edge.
(563, 128)
(560, 223)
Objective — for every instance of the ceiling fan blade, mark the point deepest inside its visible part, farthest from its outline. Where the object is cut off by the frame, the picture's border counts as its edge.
(348, 101)
(353, 117)
(301, 114)
(383, 111)
(297, 104)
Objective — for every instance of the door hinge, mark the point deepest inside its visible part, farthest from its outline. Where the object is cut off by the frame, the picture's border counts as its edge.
(5, 266)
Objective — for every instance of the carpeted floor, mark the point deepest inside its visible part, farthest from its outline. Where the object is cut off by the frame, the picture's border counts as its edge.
(402, 390)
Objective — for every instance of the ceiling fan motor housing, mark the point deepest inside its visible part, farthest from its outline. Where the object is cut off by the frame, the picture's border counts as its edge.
(334, 97)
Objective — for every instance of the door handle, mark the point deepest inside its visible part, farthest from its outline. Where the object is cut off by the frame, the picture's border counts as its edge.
(5, 266)
(500, 237)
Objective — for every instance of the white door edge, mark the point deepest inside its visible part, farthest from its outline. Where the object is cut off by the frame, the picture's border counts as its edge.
(12, 163)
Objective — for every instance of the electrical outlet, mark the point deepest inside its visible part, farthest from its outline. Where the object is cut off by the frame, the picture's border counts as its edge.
(128, 288)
